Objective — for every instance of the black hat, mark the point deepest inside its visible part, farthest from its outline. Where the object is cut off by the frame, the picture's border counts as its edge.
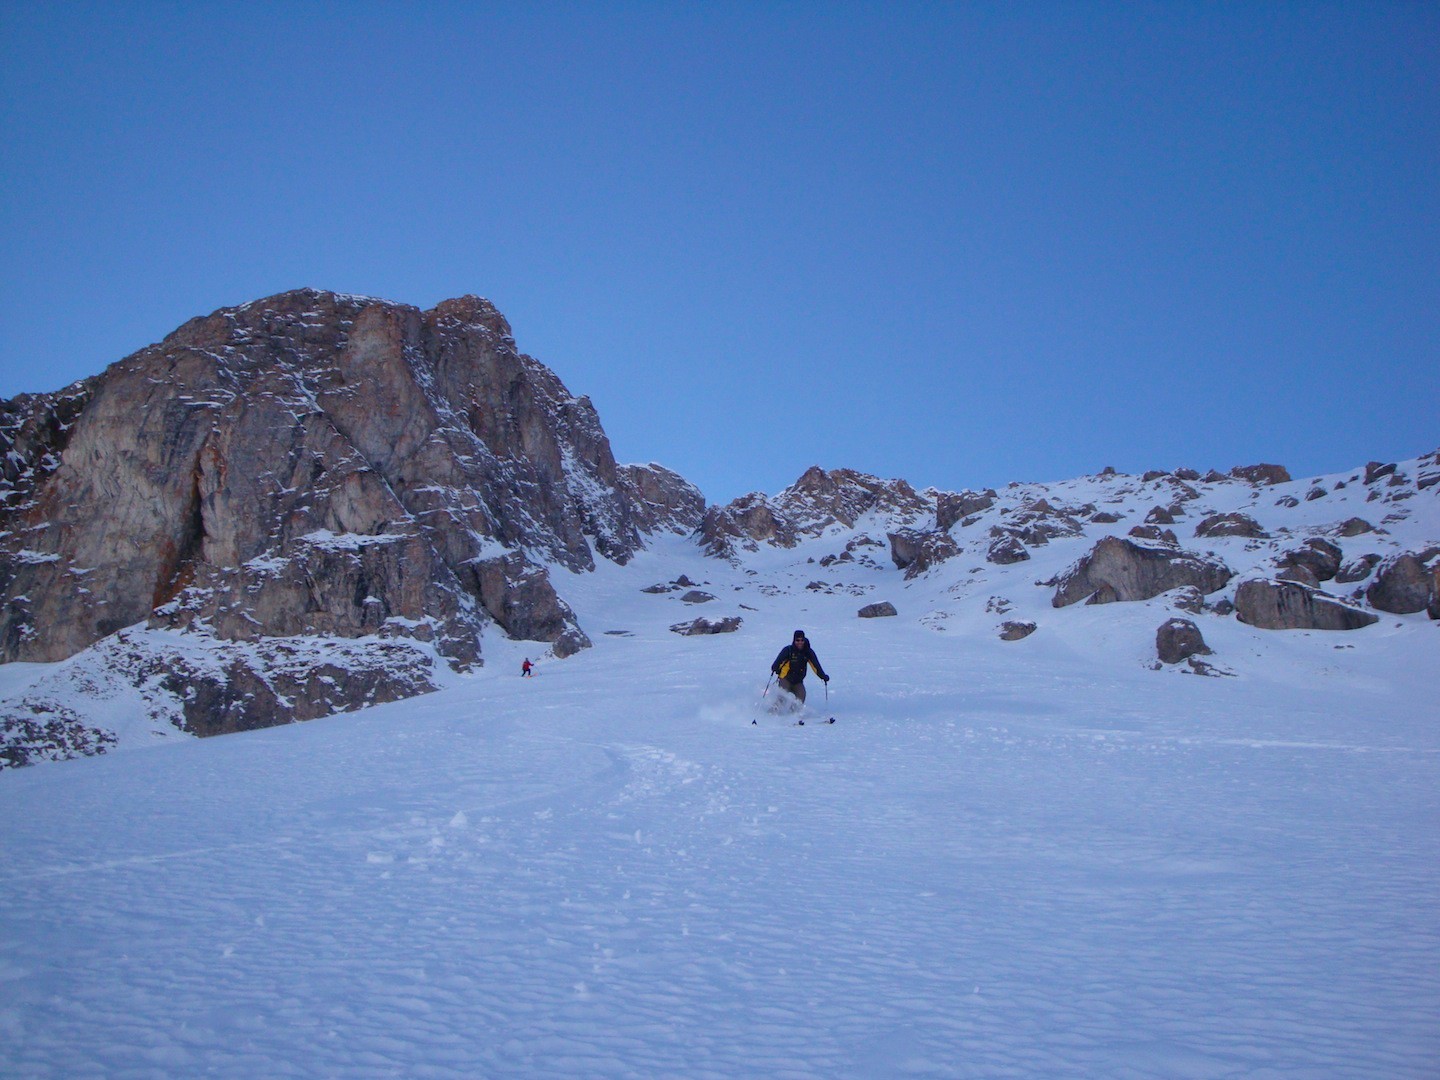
(799, 633)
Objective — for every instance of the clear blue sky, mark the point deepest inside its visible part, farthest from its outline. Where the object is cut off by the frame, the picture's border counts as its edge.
(959, 243)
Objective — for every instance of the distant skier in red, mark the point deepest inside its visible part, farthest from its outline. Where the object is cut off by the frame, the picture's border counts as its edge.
(525, 668)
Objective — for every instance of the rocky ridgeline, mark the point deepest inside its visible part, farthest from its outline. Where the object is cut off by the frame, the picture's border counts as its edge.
(310, 466)
(1198, 540)
(1284, 564)
(817, 502)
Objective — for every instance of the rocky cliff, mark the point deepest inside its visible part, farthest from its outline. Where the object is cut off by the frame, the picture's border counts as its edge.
(314, 465)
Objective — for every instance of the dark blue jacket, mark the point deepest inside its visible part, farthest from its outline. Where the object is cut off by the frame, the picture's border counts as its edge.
(790, 665)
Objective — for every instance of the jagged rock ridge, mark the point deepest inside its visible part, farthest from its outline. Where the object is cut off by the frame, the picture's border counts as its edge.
(315, 464)
(818, 501)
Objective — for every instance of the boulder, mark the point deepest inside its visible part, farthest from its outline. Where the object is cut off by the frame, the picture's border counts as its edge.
(1299, 573)
(882, 610)
(1006, 550)
(697, 596)
(1120, 569)
(1403, 585)
(704, 627)
(916, 552)
(1016, 631)
(1320, 557)
(1232, 524)
(1179, 639)
(1288, 605)
(1355, 526)
(1156, 533)
(1357, 569)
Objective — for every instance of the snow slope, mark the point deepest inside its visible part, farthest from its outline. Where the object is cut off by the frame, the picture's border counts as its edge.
(1006, 859)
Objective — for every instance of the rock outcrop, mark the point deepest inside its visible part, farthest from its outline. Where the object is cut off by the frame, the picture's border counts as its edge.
(660, 499)
(951, 507)
(1289, 605)
(1261, 474)
(818, 501)
(315, 466)
(916, 552)
(744, 524)
(821, 499)
(1117, 569)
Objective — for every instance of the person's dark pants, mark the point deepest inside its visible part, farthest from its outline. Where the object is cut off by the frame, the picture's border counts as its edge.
(795, 689)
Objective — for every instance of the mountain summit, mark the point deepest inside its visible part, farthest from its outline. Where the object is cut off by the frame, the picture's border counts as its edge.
(313, 466)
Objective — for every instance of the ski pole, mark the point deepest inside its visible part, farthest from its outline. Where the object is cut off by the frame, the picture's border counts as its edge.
(767, 684)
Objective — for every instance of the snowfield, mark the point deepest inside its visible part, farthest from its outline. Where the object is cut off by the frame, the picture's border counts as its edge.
(1039, 858)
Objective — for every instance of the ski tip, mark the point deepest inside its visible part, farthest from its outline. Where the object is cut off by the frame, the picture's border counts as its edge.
(830, 721)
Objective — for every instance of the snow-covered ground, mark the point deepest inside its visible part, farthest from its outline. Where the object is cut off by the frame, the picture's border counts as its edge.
(1038, 858)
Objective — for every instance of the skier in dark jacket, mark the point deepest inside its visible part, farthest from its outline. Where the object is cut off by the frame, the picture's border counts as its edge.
(789, 667)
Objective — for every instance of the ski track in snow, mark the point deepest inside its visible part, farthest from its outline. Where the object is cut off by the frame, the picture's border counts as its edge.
(1003, 860)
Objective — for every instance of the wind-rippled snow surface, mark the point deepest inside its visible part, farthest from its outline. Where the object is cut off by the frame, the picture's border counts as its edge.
(1003, 860)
